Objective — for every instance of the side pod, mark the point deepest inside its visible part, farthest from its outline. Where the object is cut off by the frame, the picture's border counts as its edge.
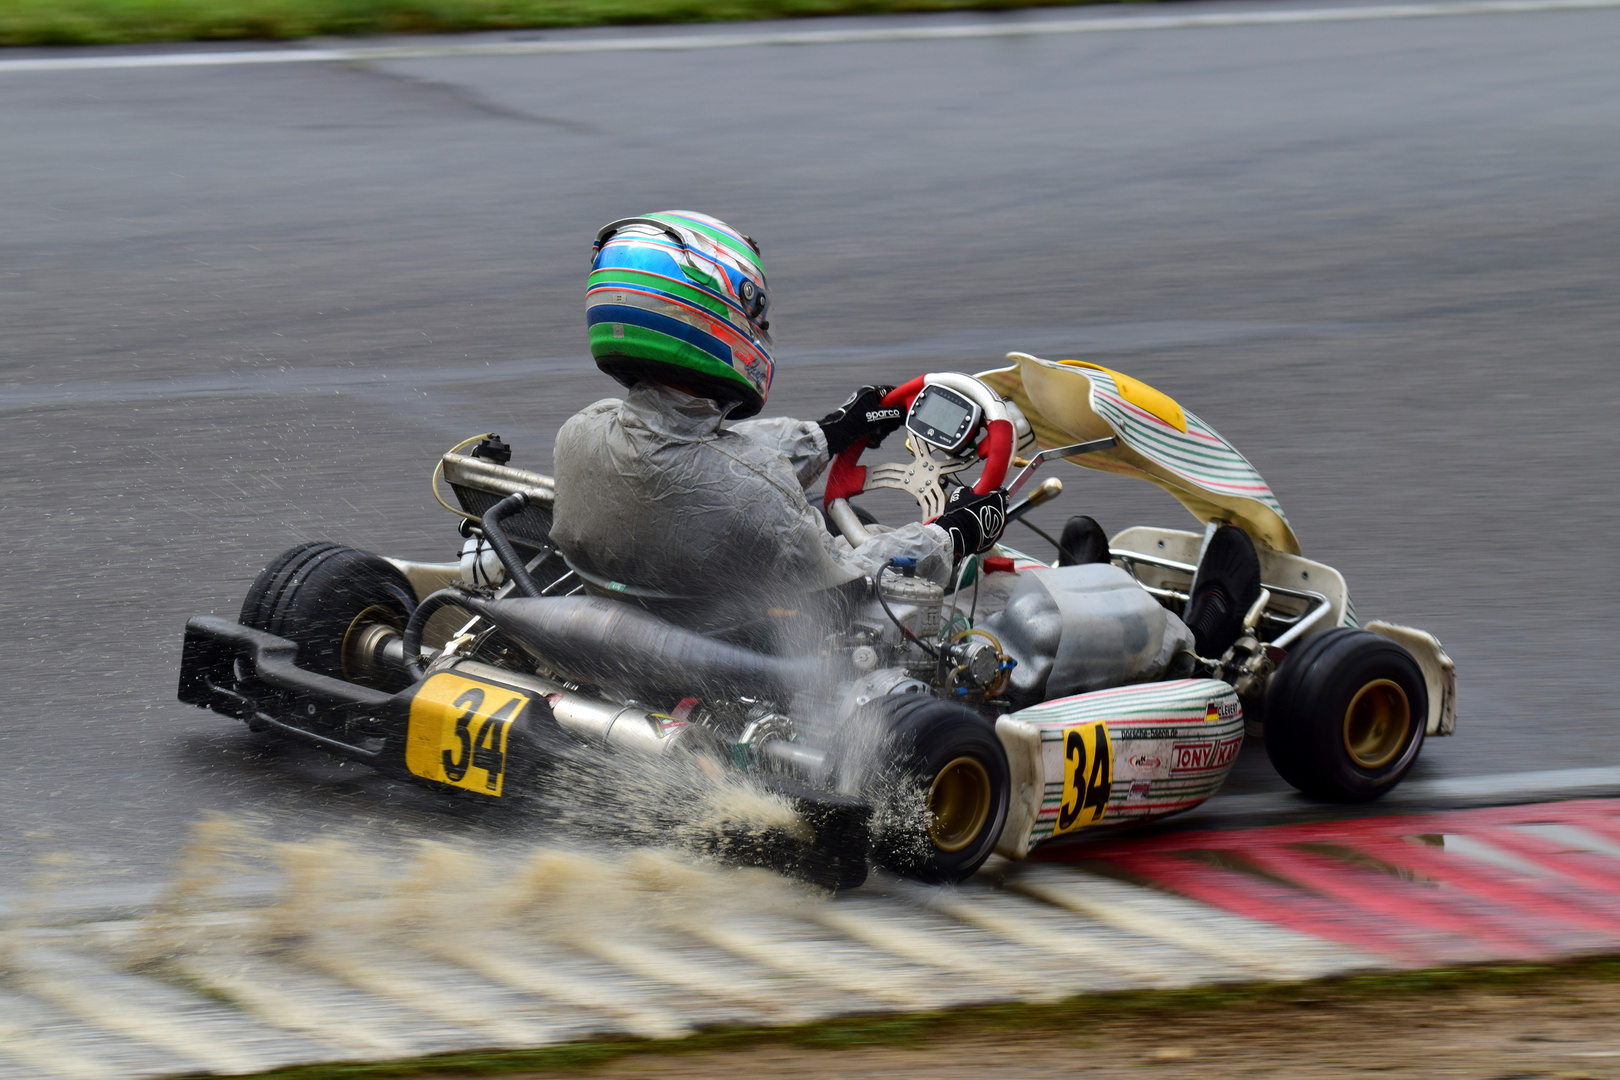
(1132, 753)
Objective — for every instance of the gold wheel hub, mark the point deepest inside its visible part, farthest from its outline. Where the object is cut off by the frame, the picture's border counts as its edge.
(1377, 723)
(958, 804)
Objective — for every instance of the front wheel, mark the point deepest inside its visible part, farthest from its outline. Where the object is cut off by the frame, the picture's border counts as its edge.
(942, 799)
(1345, 716)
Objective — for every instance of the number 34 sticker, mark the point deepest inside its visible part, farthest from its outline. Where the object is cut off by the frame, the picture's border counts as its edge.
(458, 731)
(1088, 777)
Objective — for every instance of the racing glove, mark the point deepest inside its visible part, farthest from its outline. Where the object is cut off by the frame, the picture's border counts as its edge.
(973, 522)
(863, 416)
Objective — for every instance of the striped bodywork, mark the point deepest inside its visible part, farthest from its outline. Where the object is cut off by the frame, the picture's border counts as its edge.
(1198, 455)
(1066, 402)
(1173, 744)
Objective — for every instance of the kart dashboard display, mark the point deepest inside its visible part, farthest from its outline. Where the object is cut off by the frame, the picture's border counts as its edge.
(943, 418)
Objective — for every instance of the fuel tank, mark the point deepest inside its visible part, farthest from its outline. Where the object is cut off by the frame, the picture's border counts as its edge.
(1074, 629)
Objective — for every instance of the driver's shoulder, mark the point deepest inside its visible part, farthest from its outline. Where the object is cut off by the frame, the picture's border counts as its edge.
(592, 413)
(739, 447)
(752, 461)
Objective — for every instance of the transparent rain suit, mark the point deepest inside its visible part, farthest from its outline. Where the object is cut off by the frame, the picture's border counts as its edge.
(656, 499)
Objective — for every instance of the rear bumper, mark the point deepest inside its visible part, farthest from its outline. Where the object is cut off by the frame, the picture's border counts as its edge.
(252, 675)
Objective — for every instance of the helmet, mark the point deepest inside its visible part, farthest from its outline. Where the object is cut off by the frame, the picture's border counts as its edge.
(680, 298)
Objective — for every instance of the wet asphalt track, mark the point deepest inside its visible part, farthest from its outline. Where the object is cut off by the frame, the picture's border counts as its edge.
(247, 306)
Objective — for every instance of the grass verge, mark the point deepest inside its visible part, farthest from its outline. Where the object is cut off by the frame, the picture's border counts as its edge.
(109, 22)
(918, 1029)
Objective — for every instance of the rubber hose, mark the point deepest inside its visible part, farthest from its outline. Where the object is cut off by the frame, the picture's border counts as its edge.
(504, 550)
(412, 641)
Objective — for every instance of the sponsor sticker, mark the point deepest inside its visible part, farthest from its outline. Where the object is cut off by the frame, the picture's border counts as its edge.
(1220, 710)
(667, 725)
(1146, 761)
(1153, 734)
(1204, 756)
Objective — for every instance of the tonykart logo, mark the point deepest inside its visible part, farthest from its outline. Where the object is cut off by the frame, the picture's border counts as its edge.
(1204, 756)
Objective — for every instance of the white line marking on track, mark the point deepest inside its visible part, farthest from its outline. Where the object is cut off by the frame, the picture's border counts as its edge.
(1572, 837)
(427, 994)
(822, 962)
(22, 1038)
(1510, 785)
(512, 970)
(1415, 796)
(1269, 950)
(1015, 919)
(891, 934)
(1098, 24)
(150, 1023)
(645, 960)
(295, 1011)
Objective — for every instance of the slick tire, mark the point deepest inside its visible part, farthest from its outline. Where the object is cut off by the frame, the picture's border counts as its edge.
(323, 596)
(828, 846)
(942, 800)
(1345, 716)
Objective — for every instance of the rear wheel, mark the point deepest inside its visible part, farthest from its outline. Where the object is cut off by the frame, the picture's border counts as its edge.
(944, 793)
(335, 603)
(1345, 716)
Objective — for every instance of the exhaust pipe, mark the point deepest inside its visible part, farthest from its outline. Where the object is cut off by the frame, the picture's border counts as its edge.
(607, 725)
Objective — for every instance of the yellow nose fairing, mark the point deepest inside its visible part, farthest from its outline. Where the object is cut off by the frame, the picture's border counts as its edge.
(1071, 401)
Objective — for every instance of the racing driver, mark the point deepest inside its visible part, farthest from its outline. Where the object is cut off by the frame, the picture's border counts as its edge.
(664, 496)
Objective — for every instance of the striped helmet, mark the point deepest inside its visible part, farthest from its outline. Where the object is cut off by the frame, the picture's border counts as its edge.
(680, 298)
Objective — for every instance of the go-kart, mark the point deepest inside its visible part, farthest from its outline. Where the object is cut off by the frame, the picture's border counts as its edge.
(916, 725)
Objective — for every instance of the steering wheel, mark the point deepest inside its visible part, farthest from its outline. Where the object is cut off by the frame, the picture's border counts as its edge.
(992, 439)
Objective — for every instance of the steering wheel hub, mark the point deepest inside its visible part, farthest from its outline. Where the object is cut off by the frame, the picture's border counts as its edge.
(922, 477)
(986, 432)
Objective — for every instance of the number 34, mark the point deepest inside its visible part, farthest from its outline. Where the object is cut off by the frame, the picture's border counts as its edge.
(1088, 777)
(487, 751)
(459, 729)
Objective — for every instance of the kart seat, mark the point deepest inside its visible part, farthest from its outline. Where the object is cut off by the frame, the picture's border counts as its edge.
(1082, 541)
(1225, 586)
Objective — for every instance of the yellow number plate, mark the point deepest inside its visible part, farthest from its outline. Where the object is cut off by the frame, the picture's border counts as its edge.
(1088, 777)
(458, 731)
